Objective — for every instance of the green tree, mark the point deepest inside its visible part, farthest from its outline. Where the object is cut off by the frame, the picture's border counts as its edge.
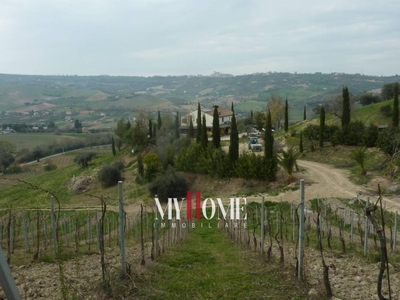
(198, 123)
(269, 139)
(152, 166)
(234, 140)
(109, 176)
(216, 134)
(204, 136)
(360, 155)
(121, 128)
(387, 91)
(304, 113)
(150, 129)
(396, 106)
(159, 122)
(84, 158)
(288, 162)
(346, 108)
(170, 184)
(371, 136)
(270, 160)
(321, 127)
(113, 146)
(191, 129)
(286, 126)
(78, 126)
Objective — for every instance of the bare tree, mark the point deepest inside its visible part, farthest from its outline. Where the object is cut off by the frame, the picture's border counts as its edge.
(276, 105)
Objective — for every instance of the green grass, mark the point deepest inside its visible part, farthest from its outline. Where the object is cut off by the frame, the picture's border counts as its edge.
(31, 140)
(210, 266)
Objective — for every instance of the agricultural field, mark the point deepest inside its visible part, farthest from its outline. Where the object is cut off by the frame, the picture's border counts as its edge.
(32, 140)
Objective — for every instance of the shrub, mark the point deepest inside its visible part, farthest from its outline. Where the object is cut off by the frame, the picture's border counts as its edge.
(50, 167)
(386, 110)
(371, 136)
(153, 166)
(84, 158)
(171, 184)
(109, 175)
(119, 164)
(13, 169)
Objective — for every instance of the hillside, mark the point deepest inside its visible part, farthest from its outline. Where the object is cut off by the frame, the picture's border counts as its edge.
(118, 95)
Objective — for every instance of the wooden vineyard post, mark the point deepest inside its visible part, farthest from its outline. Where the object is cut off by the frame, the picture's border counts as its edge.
(6, 279)
(395, 231)
(351, 225)
(262, 226)
(301, 232)
(366, 230)
(156, 230)
(53, 225)
(121, 226)
(24, 228)
(293, 222)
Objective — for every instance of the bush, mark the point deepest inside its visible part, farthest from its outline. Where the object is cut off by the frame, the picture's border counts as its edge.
(50, 167)
(371, 136)
(386, 110)
(13, 169)
(119, 164)
(109, 176)
(169, 185)
(84, 158)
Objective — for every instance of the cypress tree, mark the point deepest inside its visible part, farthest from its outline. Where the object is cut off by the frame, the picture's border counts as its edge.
(251, 116)
(346, 108)
(177, 135)
(113, 146)
(159, 123)
(269, 140)
(305, 113)
(234, 140)
(150, 129)
(286, 116)
(203, 130)
(198, 123)
(321, 127)
(191, 129)
(271, 162)
(396, 106)
(232, 107)
(216, 134)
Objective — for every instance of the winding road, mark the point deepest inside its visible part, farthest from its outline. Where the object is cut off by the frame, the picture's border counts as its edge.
(326, 181)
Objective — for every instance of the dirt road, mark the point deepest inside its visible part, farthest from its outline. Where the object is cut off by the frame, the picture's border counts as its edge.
(325, 181)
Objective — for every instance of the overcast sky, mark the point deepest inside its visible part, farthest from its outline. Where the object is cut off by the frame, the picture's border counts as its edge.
(178, 37)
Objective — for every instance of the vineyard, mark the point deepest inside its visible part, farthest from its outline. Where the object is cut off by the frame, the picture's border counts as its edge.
(58, 253)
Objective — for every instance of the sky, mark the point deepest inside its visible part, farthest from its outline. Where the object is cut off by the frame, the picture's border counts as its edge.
(191, 37)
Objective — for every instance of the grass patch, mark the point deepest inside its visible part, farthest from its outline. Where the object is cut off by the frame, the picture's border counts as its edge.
(210, 266)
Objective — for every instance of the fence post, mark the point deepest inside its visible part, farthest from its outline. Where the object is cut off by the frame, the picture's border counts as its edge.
(6, 279)
(121, 226)
(301, 231)
(262, 225)
(53, 224)
(366, 230)
(395, 231)
(351, 225)
(24, 228)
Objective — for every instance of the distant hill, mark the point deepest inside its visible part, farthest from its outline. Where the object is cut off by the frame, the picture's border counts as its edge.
(172, 93)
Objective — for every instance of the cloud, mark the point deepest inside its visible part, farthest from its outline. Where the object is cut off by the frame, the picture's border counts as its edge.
(146, 37)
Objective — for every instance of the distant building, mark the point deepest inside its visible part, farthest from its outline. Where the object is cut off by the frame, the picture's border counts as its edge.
(225, 117)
